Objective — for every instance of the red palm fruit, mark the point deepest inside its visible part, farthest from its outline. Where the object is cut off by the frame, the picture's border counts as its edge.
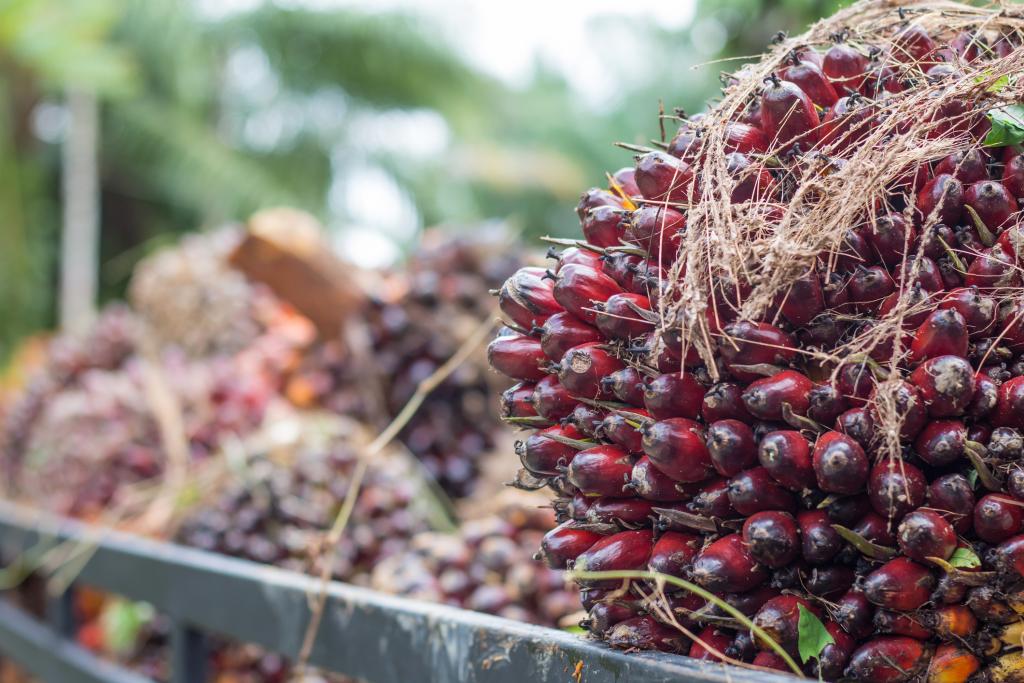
(819, 542)
(928, 276)
(803, 301)
(1012, 240)
(901, 624)
(625, 178)
(562, 545)
(712, 500)
(953, 496)
(603, 226)
(604, 615)
(676, 394)
(593, 198)
(766, 398)
(601, 471)
(925, 533)
(978, 310)
(997, 518)
(1006, 444)
(954, 621)
(825, 404)
(527, 298)
(626, 385)
(645, 633)
(833, 658)
(779, 618)
(970, 45)
(946, 383)
(1010, 408)
(552, 400)
(786, 455)
(772, 537)
(967, 166)
(909, 406)
(1011, 326)
(578, 506)
(744, 138)
(1010, 555)
(952, 663)
(617, 318)
(662, 177)
(854, 251)
(563, 331)
(754, 490)
(942, 195)
(854, 614)
(993, 269)
(896, 487)
(943, 333)
(747, 603)
(899, 584)
(631, 511)
(749, 343)
(724, 401)
(848, 510)
(840, 465)
(855, 382)
(811, 79)
(858, 424)
(577, 287)
(623, 431)
(710, 637)
(673, 553)
(752, 181)
(582, 368)
(574, 256)
(912, 44)
(621, 267)
(742, 647)
(788, 116)
(543, 454)
(731, 446)
(517, 401)
(1013, 176)
(676, 447)
(992, 202)
(875, 528)
(848, 122)
(687, 143)
(624, 551)
(587, 419)
(770, 660)
(648, 482)
(888, 659)
(942, 442)
(726, 565)
(845, 66)
(824, 332)
(517, 356)
(868, 288)
(656, 229)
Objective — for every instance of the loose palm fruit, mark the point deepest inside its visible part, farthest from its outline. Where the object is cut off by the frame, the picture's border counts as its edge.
(997, 518)
(833, 658)
(754, 490)
(888, 659)
(896, 487)
(676, 394)
(780, 617)
(854, 613)
(772, 537)
(786, 455)
(953, 496)
(673, 553)
(646, 634)
(769, 397)
(925, 533)
(727, 566)
(676, 447)
(819, 541)
(731, 446)
(601, 471)
(840, 464)
(900, 584)
(952, 663)
(711, 643)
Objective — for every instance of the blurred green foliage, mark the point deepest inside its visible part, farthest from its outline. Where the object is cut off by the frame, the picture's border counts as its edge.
(185, 98)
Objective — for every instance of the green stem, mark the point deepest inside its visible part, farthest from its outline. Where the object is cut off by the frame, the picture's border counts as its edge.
(696, 590)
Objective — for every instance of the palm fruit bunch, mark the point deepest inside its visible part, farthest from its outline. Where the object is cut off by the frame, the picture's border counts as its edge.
(278, 510)
(785, 360)
(213, 309)
(109, 341)
(484, 566)
(418, 317)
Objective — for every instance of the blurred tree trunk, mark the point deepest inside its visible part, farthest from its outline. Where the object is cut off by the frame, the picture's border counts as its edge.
(79, 269)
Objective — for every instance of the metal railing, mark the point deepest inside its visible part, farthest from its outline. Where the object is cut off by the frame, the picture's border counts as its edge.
(365, 634)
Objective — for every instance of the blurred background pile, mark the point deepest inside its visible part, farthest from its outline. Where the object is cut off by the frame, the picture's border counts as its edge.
(153, 377)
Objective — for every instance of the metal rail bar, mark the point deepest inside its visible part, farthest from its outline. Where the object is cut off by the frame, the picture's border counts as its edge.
(365, 634)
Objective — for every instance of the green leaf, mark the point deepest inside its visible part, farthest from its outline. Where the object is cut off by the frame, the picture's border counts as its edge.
(1007, 126)
(965, 558)
(972, 477)
(813, 636)
(121, 622)
(576, 629)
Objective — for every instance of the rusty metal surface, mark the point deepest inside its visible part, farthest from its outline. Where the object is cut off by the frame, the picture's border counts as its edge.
(369, 635)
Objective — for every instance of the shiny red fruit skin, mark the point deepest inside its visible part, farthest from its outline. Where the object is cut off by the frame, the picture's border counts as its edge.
(751, 343)
(997, 518)
(732, 446)
(926, 533)
(544, 456)
(562, 545)
(967, 166)
(780, 618)
(662, 177)
(754, 490)
(840, 464)
(819, 542)
(603, 227)
(786, 455)
(788, 116)
(517, 401)
(845, 66)
(656, 229)
(977, 309)
(527, 298)
(1010, 554)
(601, 471)
(626, 385)
(899, 584)
(626, 550)
(1010, 407)
(676, 394)
(943, 333)
(617, 317)
(992, 202)
(645, 633)
(595, 197)
(577, 287)
(946, 383)
(812, 80)
(674, 553)
(953, 496)
(676, 447)
(832, 661)
(993, 269)
(582, 368)
(943, 195)
(631, 511)
(724, 401)
(765, 398)
(517, 356)
(772, 537)
(562, 331)
(622, 431)
(648, 482)
(713, 637)
(888, 659)
(727, 566)
(896, 487)
(551, 400)
(942, 442)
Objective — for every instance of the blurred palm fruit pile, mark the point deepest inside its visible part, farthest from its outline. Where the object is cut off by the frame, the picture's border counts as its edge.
(416, 319)
(785, 362)
(486, 566)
